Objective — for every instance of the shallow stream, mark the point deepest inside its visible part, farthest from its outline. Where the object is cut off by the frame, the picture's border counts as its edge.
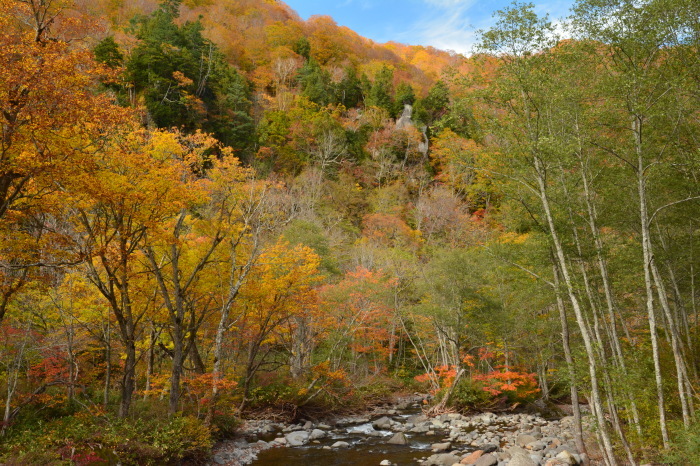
(367, 447)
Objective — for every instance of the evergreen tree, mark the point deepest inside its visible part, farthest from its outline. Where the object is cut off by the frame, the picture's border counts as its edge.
(380, 93)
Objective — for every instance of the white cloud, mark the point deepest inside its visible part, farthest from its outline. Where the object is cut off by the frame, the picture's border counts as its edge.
(448, 29)
(448, 25)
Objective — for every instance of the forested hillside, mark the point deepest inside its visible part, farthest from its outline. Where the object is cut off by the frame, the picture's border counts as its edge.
(212, 210)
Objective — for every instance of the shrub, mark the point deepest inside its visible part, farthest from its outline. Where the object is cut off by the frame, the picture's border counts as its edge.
(685, 448)
(84, 439)
(469, 394)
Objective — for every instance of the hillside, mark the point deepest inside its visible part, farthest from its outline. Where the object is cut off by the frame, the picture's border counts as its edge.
(214, 211)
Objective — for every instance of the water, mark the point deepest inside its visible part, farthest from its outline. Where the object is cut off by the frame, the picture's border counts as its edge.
(367, 447)
(363, 450)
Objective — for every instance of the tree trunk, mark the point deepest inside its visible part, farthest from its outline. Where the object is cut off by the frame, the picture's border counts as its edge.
(647, 257)
(128, 378)
(578, 312)
(565, 339)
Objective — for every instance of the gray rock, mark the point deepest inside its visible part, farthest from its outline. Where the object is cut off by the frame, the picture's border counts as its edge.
(420, 429)
(317, 434)
(536, 446)
(443, 459)
(382, 423)
(486, 460)
(438, 424)
(297, 438)
(398, 439)
(417, 419)
(566, 457)
(521, 460)
(440, 447)
(488, 448)
(524, 439)
(340, 444)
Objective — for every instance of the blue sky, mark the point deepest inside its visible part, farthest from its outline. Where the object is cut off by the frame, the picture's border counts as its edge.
(445, 24)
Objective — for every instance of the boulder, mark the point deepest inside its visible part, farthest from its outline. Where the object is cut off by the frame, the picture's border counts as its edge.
(472, 457)
(566, 457)
(440, 447)
(420, 429)
(297, 438)
(521, 460)
(340, 444)
(382, 423)
(398, 439)
(443, 459)
(317, 434)
(486, 460)
(523, 439)
(536, 446)
(488, 448)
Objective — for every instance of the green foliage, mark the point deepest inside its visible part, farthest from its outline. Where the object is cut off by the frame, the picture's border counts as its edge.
(435, 105)
(302, 47)
(225, 424)
(185, 80)
(107, 51)
(315, 83)
(404, 95)
(685, 449)
(381, 90)
(468, 395)
(312, 235)
(348, 92)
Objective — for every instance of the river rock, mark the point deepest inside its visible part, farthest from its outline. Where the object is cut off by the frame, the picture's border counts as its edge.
(267, 429)
(438, 424)
(340, 444)
(382, 423)
(523, 439)
(486, 460)
(444, 459)
(536, 446)
(385, 463)
(555, 462)
(417, 419)
(398, 439)
(420, 429)
(297, 438)
(520, 459)
(317, 434)
(488, 448)
(472, 457)
(440, 447)
(566, 457)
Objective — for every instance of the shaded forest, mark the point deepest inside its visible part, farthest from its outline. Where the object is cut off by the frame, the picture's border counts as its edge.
(211, 210)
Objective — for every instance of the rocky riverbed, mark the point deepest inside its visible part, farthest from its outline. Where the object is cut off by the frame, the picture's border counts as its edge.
(403, 435)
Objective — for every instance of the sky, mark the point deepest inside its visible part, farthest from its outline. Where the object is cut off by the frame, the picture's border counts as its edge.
(444, 24)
